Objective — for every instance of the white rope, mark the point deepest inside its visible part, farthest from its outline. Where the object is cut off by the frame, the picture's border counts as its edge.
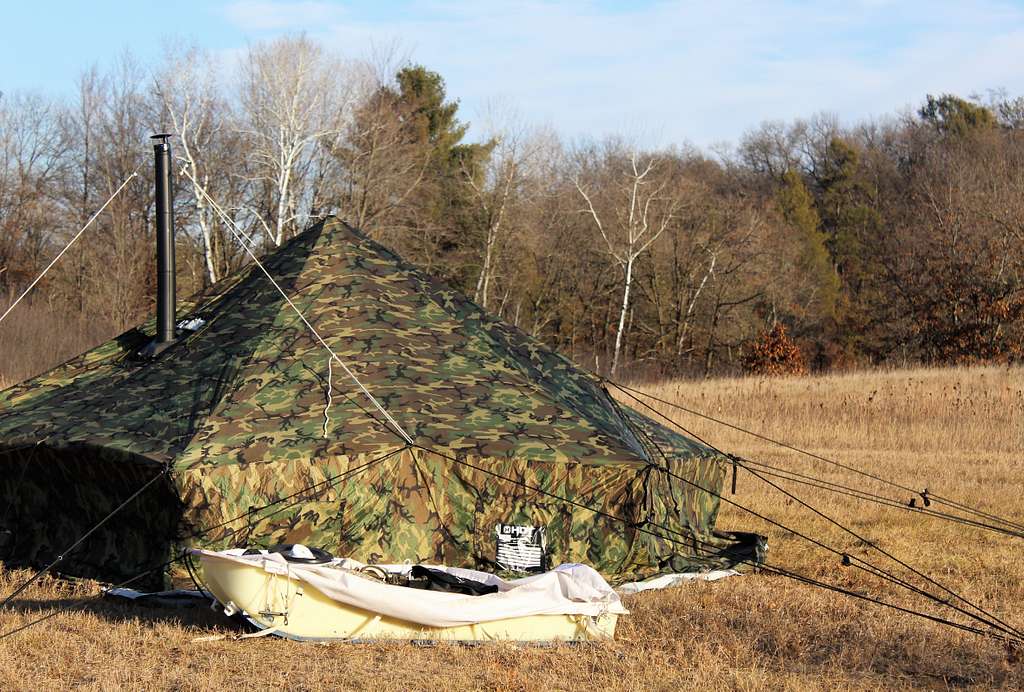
(334, 356)
(67, 247)
(182, 171)
(330, 394)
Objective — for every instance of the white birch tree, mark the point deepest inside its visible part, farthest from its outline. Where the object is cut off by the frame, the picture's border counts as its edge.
(192, 109)
(293, 94)
(502, 184)
(630, 205)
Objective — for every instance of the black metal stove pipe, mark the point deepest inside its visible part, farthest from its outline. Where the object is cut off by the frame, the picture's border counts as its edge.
(165, 270)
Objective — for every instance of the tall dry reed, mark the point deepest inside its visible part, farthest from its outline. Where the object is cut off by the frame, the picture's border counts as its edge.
(37, 336)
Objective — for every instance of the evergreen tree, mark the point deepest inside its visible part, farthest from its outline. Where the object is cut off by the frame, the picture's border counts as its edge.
(814, 262)
(952, 115)
(849, 216)
(441, 226)
(856, 239)
(405, 166)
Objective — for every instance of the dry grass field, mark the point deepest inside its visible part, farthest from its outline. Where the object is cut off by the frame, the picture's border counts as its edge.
(958, 432)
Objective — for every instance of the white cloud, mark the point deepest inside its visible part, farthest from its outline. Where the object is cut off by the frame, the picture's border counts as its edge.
(690, 71)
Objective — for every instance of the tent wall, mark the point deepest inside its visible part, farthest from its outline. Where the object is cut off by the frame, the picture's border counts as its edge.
(423, 507)
(49, 498)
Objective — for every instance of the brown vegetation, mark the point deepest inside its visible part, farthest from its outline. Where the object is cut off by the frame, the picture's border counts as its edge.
(41, 336)
(956, 431)
(774, 353)
(894, 241)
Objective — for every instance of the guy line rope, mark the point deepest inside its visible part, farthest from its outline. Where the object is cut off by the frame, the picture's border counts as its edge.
(926, 496)
(871, 568)
(847, 558)
(1008, 637)
(330, 483)
(68, 246)
(230, 224)
(405, 436)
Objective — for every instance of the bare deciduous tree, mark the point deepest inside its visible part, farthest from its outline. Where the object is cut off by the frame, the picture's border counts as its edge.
(191, 106)
(292, 96)
(505, 182)
(31, 146)
(631, 206)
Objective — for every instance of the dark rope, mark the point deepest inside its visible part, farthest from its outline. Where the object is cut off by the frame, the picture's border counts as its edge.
(933, 497)
(886, 553)
(839, 489)
(871, 568)
(190, 568)
(184, 555)
(85, 602)
(332, 480)
(777, 570)
(846, 560)
(690, 539)
(887, 604)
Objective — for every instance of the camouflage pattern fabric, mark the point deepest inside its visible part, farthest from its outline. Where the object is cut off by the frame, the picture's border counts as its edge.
(506, 431)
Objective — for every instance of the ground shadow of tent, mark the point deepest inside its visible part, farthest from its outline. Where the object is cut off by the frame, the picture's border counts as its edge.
(194, 615)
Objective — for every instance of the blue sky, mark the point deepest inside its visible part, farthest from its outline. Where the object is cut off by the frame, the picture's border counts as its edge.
(668, 72)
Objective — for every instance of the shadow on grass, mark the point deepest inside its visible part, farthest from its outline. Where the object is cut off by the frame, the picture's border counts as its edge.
(116, 611)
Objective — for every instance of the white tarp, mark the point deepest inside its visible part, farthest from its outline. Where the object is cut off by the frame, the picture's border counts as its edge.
(570, 589)
(666, 581)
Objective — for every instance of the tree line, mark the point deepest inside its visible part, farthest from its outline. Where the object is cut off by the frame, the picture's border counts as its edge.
(896, 240)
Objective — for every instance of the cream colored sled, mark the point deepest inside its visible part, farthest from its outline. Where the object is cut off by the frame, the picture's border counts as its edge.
(340, 601)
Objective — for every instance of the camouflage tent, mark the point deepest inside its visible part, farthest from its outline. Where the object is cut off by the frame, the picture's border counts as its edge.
(260, 448)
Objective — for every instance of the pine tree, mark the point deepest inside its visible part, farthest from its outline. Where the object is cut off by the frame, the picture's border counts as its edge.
(814, 262)
(952, 115)
(441, 224)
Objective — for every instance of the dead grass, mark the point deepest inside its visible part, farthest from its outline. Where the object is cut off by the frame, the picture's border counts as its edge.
(959, 432)
(37, 336)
